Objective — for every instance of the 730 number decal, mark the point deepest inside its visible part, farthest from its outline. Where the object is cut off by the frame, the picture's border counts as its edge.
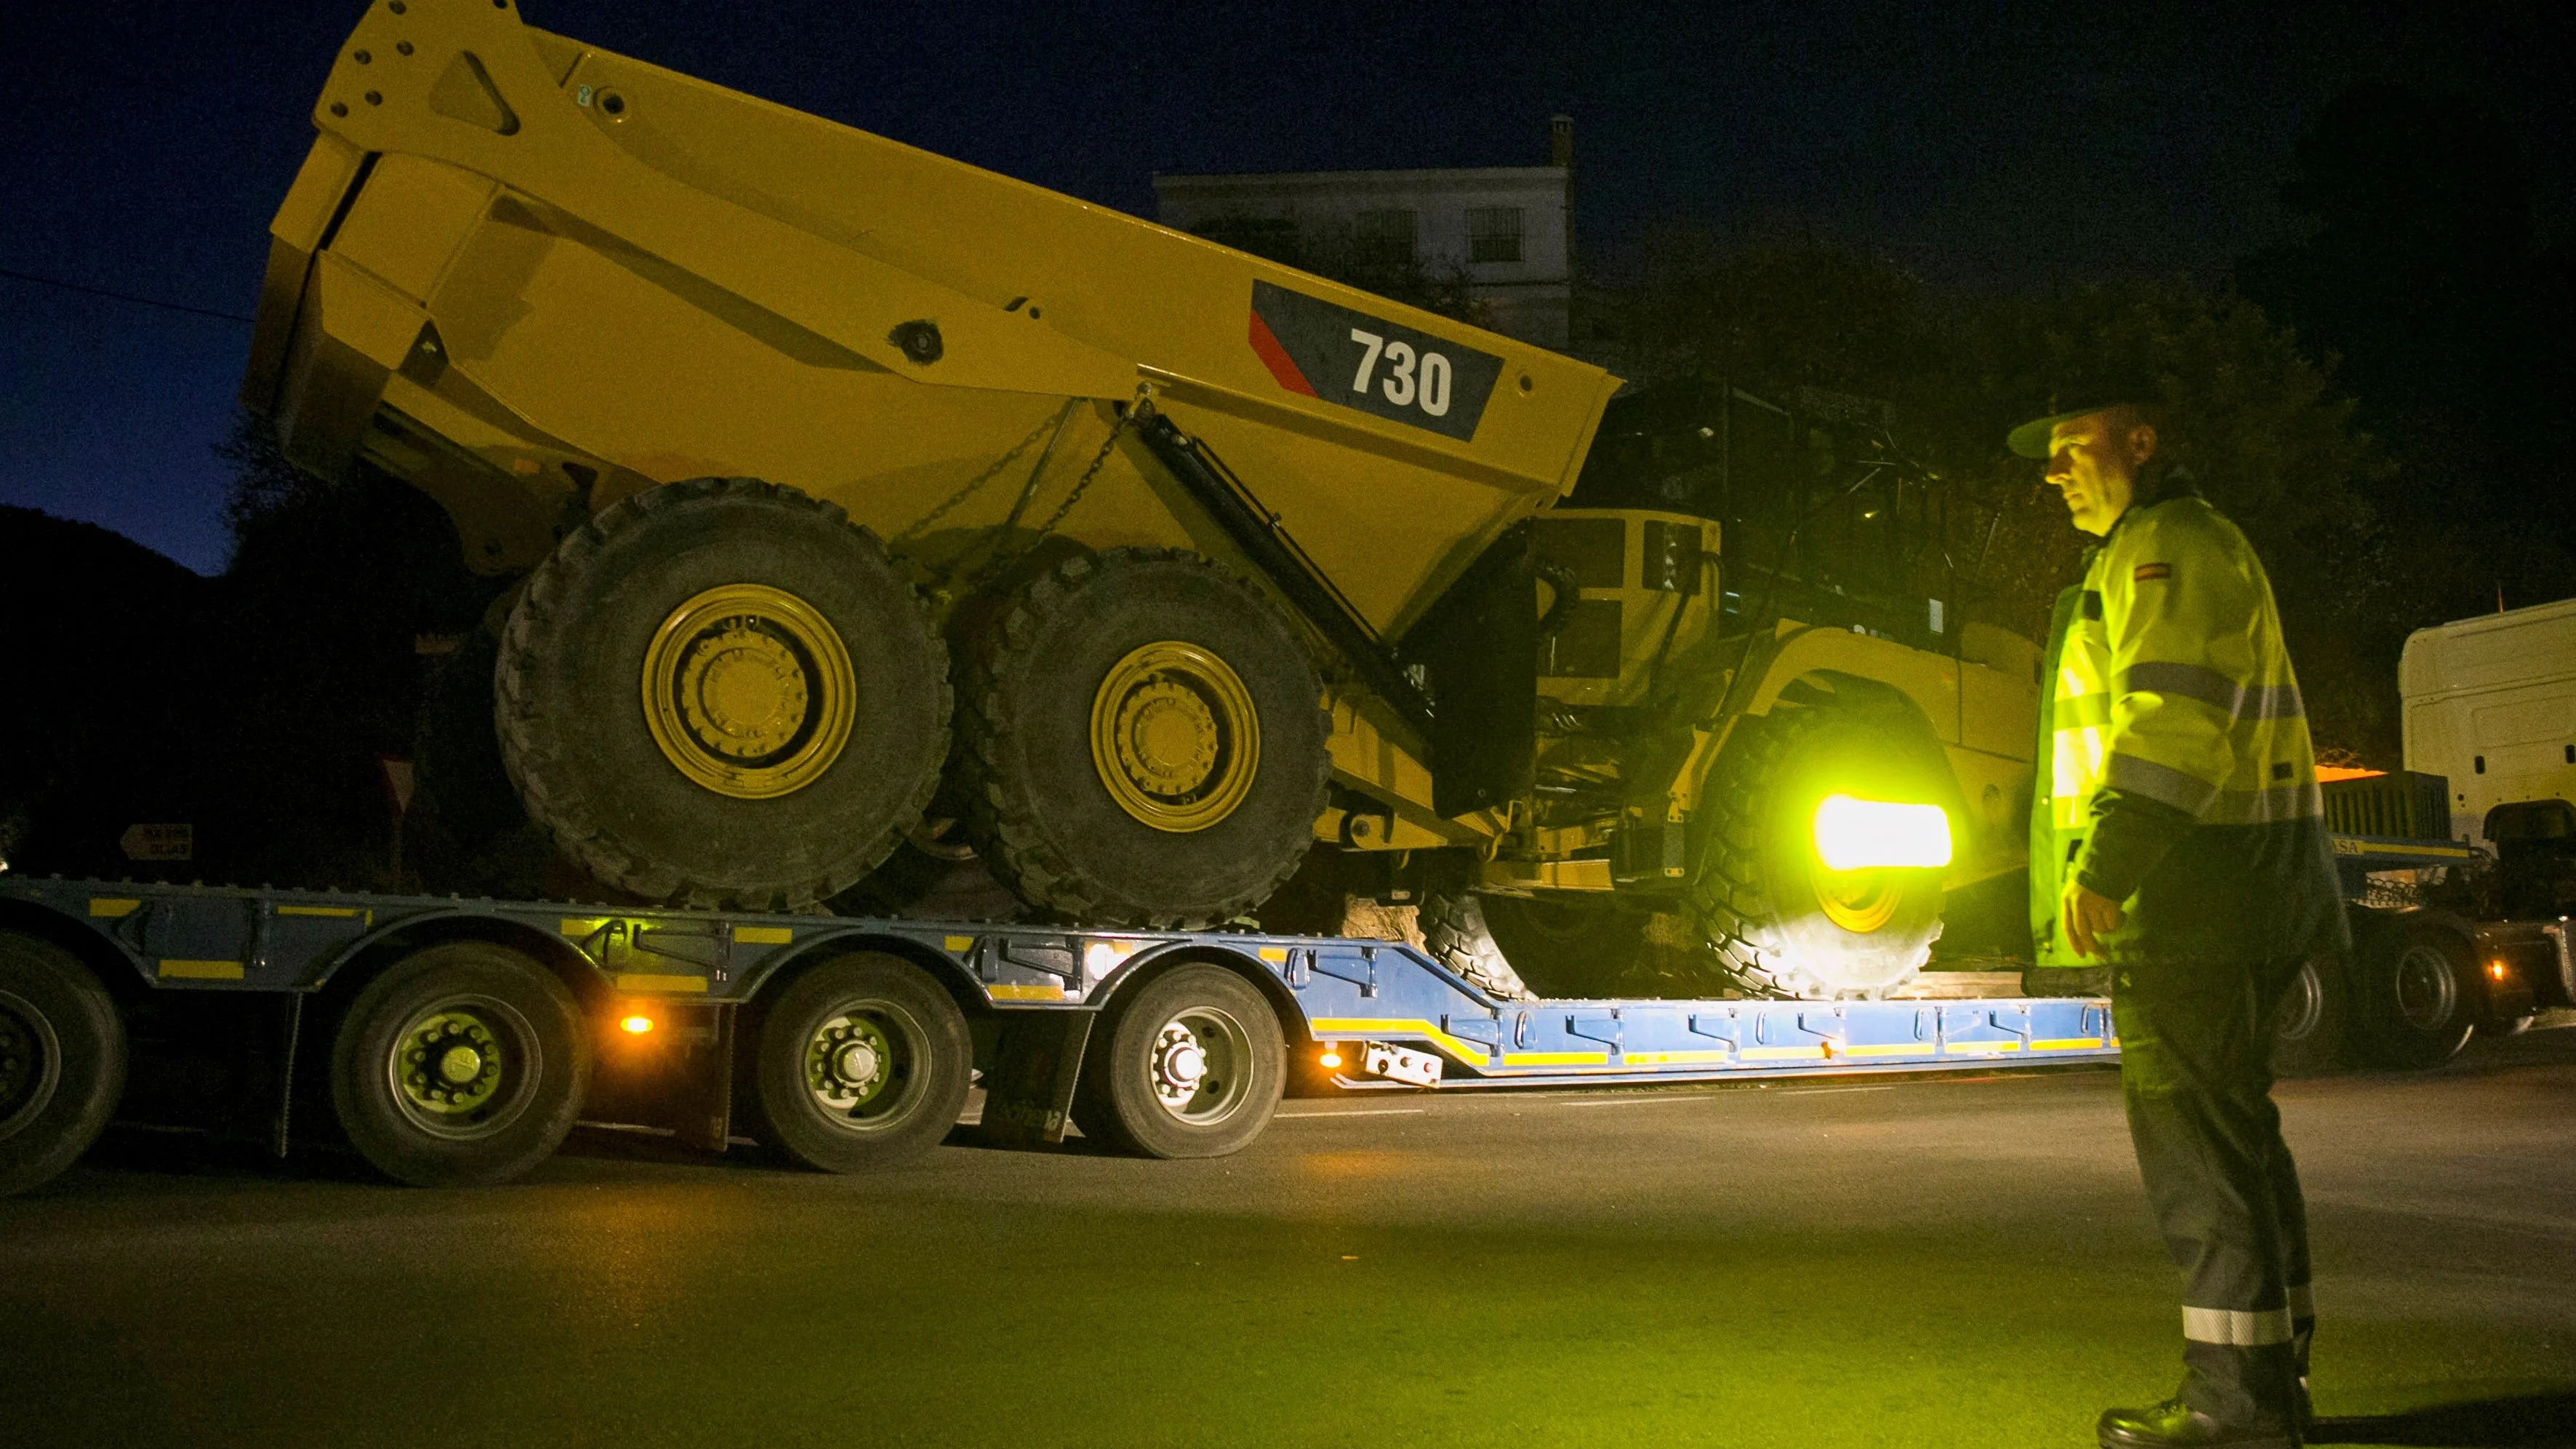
(1334, 354)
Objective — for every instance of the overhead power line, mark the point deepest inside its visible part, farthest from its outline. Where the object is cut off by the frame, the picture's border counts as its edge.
(123, 296)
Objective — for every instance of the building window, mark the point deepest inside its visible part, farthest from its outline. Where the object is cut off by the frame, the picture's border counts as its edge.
(1493, 233)
(1383, 239)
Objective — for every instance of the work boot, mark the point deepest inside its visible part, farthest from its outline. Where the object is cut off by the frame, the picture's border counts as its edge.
(2174, 1422)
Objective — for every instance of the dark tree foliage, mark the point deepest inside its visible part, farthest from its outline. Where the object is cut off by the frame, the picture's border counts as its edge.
(2421, 279)
(2261, 427)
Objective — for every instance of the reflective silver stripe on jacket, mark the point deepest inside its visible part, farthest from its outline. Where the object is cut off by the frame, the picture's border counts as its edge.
(2212, 805)
(2251, 701)
(2235, 1327)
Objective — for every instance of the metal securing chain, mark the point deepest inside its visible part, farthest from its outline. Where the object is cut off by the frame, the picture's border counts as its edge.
(1081, 485)
(948, 505)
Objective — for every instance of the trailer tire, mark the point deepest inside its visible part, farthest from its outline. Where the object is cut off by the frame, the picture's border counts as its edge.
(1188, 1064)
(62, 1060)
(2419, 996)
(1778, 922)
(2309, 1030)
(722, 693)
(862, 1064)
(1142, 742)
(462, 1065)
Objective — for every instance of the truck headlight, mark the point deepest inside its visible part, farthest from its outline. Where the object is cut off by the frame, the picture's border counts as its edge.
(1854, 834)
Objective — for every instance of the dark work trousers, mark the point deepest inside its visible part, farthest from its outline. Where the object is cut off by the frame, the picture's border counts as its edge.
(2196, 1071)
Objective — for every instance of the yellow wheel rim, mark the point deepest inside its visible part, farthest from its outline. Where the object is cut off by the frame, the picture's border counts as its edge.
(1174, 737)
(1859, 901)
(749, 691)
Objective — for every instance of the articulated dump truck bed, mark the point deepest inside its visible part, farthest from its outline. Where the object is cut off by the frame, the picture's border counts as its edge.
(533, 277)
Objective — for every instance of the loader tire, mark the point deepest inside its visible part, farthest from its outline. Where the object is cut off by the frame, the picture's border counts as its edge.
(721, 693)
(1523, 948)
(1142, 742)
(1774, 917)
(1459, 936)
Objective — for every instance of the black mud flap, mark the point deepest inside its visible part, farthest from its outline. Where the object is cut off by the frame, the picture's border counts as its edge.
(1028, 1096)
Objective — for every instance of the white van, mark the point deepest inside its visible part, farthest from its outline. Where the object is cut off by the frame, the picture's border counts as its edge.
(2491, 703)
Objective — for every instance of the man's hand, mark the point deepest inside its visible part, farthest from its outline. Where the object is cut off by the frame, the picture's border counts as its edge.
(2087, 915)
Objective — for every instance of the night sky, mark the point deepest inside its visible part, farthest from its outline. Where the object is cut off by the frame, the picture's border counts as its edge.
(1997, 148)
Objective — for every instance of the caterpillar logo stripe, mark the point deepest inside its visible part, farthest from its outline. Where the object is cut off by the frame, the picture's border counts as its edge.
(1334, 354)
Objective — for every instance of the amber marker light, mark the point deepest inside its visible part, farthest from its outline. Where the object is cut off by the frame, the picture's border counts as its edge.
(636, 1025)
(2496, 969)
(1332, 1057)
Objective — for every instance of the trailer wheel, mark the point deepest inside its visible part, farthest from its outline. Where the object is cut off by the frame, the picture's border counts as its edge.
(2308, 1034)
(863, 1064)
(1189, 1064)
(62, 1060)
(722, 693)
(1775, 917)
(2419, 996)
(463, 1065)
(1143, 742)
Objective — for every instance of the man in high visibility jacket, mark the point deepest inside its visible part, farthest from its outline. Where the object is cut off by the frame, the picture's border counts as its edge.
(2177, 836)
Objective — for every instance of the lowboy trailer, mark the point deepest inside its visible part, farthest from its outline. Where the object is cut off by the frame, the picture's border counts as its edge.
(457, 1041)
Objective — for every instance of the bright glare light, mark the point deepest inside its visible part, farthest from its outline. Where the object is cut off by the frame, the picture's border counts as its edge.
(637, 1025)
(1331, 1058)
(2496, 969)
(1865, 834)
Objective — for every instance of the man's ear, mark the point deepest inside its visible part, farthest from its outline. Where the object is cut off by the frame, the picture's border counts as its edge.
(2142, 443)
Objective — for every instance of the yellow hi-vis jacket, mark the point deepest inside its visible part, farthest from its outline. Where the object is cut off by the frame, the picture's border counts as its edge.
(2175, 774)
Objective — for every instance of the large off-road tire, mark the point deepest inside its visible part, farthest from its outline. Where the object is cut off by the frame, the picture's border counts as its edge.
(2419, 995)
(62, 1060)
(1188, 1064)
(1521, 948)
(463, 1065)
(1775, 918)
(863, 1063)
(1458, 935)
(721, 693)
(2309, 1033)
(1142, 742)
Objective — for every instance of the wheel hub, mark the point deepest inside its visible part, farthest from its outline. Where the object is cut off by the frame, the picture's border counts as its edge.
(1175, 736)
(1859, 901)
(1180, 1065)
(849, 1063)
(449, 1064)
(2427, 996)
(29, 1064)
(749, 691)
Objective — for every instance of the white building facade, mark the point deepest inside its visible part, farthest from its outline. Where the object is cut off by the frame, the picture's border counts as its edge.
(1501, 231)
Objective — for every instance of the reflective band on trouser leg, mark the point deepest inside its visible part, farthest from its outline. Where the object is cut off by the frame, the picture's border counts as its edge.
(2303, 1301)
(2235, 1327)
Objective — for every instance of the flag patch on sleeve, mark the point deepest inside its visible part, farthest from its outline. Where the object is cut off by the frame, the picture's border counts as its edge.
(2151, 571)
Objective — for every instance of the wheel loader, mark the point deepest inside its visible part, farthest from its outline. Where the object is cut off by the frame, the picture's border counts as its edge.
(820, 478)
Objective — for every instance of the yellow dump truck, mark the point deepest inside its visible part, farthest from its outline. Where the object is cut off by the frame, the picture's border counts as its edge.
(825, 468)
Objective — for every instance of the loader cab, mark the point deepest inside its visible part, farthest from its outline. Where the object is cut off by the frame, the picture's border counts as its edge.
(1821, 516)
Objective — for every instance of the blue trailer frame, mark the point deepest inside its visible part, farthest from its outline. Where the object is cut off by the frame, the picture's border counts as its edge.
(1040, 987)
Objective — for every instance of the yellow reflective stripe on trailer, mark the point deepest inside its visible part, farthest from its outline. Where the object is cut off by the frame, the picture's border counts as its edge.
(1556, 1059)
(201, 970)
(1786, 1054)
(669, 985)
(113, 907)
(1673, 1059)
(334, 913)
(961, 943)
(2067, 1044)
(1047, 991)
(763, 935)
(1889, 1049)
(1370, 1026)
(1981, 1048)
(1275, 955)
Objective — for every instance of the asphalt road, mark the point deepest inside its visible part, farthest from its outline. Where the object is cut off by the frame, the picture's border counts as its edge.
(1929, 1262)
